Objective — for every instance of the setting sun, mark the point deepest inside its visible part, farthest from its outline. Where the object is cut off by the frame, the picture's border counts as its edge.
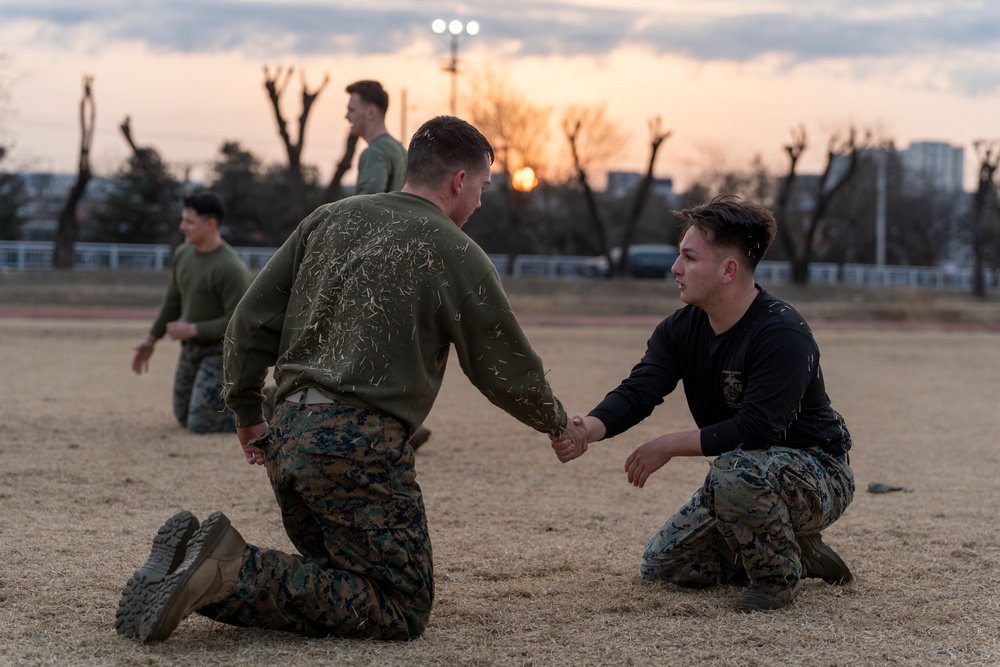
(524, 179)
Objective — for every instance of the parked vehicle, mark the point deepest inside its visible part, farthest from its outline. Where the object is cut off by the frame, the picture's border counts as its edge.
(645, 260)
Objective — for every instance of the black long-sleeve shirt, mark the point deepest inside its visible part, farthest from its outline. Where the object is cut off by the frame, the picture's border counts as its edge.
(755, 386)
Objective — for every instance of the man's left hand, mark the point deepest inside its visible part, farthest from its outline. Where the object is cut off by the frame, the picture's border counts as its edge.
(646, 460)
(181, 330)
(251, 452)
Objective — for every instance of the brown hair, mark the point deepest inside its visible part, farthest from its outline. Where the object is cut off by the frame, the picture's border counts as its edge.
(371, 92)
(734, 223)
(443, 145)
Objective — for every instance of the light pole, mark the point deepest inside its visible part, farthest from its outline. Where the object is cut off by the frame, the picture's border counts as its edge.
(880, 187)
(455, 29)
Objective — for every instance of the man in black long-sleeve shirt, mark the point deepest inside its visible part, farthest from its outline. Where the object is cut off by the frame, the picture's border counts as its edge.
(751, 375)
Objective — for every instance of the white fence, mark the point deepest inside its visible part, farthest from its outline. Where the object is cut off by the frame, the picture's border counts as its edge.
(37, 255)
(869, 275)
(908, 277)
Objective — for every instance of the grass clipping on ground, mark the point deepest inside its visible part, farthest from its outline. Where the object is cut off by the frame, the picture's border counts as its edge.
(535, 562)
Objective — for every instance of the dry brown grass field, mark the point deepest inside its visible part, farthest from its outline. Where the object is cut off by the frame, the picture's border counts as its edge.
(536, 562)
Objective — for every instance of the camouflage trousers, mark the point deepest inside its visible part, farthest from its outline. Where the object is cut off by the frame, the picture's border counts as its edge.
(346, 486)
(743, 521)
(198, 402)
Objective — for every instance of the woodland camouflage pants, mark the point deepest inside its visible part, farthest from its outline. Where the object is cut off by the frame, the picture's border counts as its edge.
(198, 401)
(345, 482)
(743, 521)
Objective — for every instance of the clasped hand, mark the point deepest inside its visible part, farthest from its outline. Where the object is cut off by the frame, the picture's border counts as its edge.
(572, 442)
(643, 462)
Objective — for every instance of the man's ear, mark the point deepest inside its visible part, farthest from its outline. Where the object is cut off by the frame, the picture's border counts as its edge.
(457, 181)
(730, 270)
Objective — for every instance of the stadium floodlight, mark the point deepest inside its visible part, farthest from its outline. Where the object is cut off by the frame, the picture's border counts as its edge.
(454, 29)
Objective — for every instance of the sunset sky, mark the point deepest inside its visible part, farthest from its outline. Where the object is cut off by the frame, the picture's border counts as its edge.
(729, 78)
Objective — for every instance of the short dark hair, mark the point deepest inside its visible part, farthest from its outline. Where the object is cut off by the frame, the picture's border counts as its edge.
(371, 92)
(442, 146)
(206, 203)
(734, 223)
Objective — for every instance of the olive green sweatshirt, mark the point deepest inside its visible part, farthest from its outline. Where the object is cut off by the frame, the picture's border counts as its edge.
(381, 167)
(204, 289)
(364, 301)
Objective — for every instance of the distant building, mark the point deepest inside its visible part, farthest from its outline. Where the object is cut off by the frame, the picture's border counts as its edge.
(656, 224)
(926, 164)
(928, 167)
(934, 164)
(624, 183)
(45, 194)
(939, 167)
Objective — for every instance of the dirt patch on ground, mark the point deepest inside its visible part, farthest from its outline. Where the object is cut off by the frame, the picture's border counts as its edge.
(535, 562)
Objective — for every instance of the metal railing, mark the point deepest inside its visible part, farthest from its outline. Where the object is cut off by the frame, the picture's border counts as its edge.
(869, 275)
(37, 255)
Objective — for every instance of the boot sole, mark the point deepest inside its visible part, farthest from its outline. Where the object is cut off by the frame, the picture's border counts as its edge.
(164, 614)
(169, 548)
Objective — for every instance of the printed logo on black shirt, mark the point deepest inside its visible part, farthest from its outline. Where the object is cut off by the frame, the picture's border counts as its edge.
(733, 389)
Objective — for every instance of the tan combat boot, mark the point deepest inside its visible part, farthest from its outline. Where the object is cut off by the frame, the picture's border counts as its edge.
(755, 600)
(167, 554)
(215, 555)
(819, 561)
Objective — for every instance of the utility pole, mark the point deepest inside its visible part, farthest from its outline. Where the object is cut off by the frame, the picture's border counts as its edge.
(405, 108)
(880, 193)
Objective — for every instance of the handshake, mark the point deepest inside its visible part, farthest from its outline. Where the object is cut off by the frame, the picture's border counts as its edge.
(641, 463)
(579, 432)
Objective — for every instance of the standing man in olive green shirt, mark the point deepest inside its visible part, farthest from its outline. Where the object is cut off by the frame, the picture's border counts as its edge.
(358, 312)
(382, 165)
(208, 280)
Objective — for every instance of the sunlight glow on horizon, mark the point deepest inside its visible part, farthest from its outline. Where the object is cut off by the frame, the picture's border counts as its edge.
(186, 105)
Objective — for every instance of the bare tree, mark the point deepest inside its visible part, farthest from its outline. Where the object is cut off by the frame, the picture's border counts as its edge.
(69, 226)
(723, 172)
(517, 128)
(154, 171)
(799, 234)
(518, 131)
(794, 149)
(275, 85)
(592, 138)
(656, 138)
(333, 190)
(985, 207)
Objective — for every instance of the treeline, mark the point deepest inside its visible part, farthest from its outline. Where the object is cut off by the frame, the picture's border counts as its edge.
(925, 223)
(863, 207)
